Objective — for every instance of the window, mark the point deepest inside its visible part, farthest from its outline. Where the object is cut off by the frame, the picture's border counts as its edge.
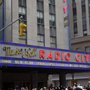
(52, 2)
(52, 17)
(53, 42)
(52, 8)
(73, 3)
(74, 11)
(22, 3)
(88, 1)
(84, 26)
(75, 28)
(22, 10)
(52, 31)
(40, 29)
(40, 18)
(87, 49)
(84, 22)
(40, 40)
(52, 23)
(40, 22)
(40, 5)
(40, 14)
(83, 10)
(78, 49)
(83, 2)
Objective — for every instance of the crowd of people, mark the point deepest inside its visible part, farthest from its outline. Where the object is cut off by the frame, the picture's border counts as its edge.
(74, 87)
(21, 88)
(51, 87)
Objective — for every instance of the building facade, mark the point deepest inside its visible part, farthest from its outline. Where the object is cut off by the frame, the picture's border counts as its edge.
(80, 25)
(47, 25)
(80, 30)
(46, 22)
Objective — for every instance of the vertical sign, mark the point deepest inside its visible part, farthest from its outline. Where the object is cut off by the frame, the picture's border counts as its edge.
(66, 27)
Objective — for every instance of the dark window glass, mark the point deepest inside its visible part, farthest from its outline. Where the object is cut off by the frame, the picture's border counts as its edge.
(87, 48)
(83, 11)
(53, 42)
(22, 10)
(74, 11)
(40, 40)
(88, 1)
(22, 3)
(52, 9)
(83, 2)
(75, 28)
(52, 31)
(84, 22)
(52, 23)
(40, 29)
(52, 2)
(40, 22)
(40, 4)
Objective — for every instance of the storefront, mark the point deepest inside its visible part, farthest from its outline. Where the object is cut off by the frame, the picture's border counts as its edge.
(28, 64)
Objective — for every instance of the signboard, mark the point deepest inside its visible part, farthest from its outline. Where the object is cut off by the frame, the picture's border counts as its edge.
(35, 56)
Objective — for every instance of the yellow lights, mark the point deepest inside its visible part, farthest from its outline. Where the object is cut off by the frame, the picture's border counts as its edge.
(22, 29)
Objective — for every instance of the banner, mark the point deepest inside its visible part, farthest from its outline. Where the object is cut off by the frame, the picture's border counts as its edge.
(13, 54)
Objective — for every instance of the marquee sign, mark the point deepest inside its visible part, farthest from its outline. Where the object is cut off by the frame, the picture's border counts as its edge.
(35, 56)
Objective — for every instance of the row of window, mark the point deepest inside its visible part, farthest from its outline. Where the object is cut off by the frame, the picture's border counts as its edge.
(52, 23)
(84, 22)
(87, 49)
(40, 23)
(40, 20)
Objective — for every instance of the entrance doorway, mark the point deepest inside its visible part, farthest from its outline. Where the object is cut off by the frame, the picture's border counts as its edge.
(8, 86)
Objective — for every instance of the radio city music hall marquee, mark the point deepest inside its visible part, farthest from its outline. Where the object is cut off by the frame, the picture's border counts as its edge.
(20, 54)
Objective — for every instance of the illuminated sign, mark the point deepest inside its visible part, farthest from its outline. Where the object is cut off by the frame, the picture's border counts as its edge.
(65, 7)
(64, 56)
(27, 55)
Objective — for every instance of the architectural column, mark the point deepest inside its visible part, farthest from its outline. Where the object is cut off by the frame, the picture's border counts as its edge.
(62, 79)
(46, 22)
(43, 79)
(34, 79)
(31, 22)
